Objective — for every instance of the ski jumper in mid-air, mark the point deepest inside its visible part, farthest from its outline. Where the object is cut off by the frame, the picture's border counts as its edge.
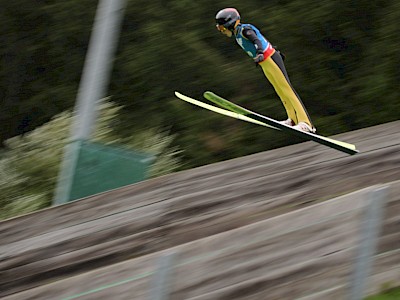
(271, 62)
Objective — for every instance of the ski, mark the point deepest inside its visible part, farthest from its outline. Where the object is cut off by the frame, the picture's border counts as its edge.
(221, 111)
(235, 111)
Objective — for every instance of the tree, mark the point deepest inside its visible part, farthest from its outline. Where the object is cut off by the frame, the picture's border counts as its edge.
(29, 167)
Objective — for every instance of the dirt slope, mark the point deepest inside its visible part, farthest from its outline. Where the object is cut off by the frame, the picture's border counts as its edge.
(165, 212)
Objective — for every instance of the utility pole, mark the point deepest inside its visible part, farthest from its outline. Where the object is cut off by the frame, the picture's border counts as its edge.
(93, 87)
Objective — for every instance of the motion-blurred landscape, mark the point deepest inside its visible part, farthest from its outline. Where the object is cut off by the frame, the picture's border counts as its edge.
(235, 186)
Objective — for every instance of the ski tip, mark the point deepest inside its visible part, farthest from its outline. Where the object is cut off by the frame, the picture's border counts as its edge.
(213, 97)
(207, 94)
(179, 95)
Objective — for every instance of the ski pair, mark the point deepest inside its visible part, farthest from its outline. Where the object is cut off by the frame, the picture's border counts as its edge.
(235, 111)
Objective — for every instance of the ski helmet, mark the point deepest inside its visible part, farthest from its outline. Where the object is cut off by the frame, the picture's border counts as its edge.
(227, 18)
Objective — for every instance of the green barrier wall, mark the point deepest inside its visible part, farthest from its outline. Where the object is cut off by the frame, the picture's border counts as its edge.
(101, 168)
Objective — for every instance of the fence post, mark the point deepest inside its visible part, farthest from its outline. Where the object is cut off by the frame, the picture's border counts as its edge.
(369, 233)
(162, 277)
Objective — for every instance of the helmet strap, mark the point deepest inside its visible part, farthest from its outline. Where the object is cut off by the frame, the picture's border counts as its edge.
(235, 26)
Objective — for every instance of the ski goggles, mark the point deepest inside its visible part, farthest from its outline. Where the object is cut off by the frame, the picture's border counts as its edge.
(221, 28)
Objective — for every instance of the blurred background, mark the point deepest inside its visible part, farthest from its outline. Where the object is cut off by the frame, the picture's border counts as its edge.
(341, 56)
(342, 59)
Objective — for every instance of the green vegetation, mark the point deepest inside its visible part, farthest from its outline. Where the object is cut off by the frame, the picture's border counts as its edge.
(30, 165)
(392, 294)
(342, 57)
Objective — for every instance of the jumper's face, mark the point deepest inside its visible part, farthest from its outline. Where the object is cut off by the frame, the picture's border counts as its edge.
(224, 30)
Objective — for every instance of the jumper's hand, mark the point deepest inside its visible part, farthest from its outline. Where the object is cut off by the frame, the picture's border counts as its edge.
(259, 58)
